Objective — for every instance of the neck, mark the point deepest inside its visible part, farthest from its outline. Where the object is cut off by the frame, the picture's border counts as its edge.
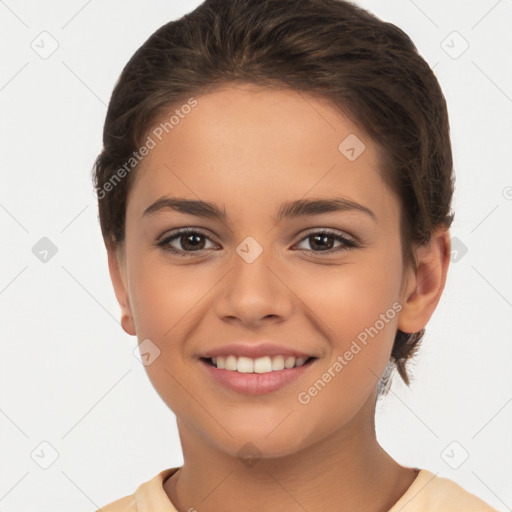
(346, 471)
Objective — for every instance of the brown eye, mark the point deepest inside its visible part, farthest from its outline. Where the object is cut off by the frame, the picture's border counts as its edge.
(186, 240)
(323, 241)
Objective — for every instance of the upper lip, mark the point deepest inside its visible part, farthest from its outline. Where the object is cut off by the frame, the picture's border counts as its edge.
(254, 351)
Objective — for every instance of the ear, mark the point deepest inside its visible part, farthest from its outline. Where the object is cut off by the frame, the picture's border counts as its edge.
(117, 269)
(425, 285)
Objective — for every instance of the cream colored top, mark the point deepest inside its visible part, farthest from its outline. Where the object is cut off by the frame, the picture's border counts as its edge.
(427, 493)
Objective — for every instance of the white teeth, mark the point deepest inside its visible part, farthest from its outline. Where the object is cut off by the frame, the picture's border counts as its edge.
(289, 362)
(264, 364)
(278, 363)
(245, 364)
(230, 363)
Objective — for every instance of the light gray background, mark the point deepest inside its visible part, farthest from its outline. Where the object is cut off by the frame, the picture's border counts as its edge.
(68, 376)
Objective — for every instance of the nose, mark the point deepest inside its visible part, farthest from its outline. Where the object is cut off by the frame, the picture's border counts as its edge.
(255, 291)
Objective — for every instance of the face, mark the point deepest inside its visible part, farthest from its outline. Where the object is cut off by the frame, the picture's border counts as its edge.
(325, 282)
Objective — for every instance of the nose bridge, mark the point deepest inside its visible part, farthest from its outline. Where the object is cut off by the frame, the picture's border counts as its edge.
(253, 289)
(252, 266)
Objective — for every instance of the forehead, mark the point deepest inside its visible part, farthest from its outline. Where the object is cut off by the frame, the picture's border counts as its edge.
(248, 122)
(246, 144)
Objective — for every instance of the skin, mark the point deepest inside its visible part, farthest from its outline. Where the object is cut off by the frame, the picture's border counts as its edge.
(248, 150)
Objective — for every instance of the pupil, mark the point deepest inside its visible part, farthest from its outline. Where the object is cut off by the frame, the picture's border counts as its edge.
(189, 237)
(322, 237)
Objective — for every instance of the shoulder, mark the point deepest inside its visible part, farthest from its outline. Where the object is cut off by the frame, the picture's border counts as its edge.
(149, 495)
(431, 493)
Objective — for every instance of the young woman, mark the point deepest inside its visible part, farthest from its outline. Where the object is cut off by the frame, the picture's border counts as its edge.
(274, 195)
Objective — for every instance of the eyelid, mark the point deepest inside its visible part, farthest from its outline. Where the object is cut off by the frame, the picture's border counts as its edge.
(332, 232)
(164, 241)
(192, 229)
(181, 231)
(347, 241)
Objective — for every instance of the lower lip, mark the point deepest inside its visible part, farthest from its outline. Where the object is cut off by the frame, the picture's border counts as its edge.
(256, 383)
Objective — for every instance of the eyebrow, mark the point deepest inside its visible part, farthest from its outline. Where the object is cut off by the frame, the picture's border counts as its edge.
(291, 209)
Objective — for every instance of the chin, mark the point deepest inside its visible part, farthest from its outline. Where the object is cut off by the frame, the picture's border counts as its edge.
(255, 443)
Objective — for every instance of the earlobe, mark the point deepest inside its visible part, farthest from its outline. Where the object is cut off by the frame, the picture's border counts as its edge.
(117, 270)
(421, 296)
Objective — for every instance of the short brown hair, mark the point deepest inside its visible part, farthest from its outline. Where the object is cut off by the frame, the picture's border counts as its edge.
(369, 69)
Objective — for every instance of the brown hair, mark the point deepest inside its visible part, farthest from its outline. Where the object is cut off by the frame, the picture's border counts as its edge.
(369, 69)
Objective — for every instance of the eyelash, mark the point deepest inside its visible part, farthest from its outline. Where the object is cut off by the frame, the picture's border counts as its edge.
(348, 243)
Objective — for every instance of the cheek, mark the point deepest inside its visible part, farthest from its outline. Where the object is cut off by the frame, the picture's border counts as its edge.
(167, 304)
(364, 328)
(163, 296)
(345, 300)
(356, 307)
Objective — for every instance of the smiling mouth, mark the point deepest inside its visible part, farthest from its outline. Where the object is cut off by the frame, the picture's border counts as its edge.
(266, 364)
